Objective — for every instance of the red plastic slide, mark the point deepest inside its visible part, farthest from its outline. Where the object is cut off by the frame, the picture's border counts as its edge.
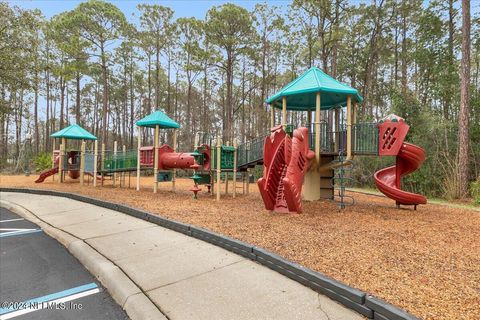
(286, 161)
(409, 158)
(45, 174)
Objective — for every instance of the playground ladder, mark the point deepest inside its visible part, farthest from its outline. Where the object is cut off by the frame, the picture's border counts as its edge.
(340, 179)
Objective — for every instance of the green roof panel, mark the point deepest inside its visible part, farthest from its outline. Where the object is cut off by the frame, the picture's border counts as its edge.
(301, 92)
(74, 132)
(158, 118)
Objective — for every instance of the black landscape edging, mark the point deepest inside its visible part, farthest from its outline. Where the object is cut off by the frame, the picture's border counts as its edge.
(352, 298)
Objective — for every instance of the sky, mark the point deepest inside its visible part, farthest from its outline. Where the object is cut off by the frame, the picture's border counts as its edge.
(182, 8)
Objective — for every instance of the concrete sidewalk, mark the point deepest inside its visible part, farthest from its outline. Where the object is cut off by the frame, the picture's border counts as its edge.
(185, 278)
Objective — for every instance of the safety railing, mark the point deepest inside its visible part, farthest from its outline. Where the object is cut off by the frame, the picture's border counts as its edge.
(250, 152)
(365, 138)
(71, 161)
(121, 161)
(328, 138)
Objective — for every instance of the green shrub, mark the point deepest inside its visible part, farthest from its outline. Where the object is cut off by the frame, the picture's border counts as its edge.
(475, 190)
(43, 161)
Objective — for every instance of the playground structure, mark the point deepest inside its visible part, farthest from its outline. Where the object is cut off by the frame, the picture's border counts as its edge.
(319, 153)
(207, 161)
(75, 163)
(309, 162)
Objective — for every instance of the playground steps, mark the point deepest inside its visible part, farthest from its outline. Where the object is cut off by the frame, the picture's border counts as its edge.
(269, 185)
(280, 201)
(326, 176)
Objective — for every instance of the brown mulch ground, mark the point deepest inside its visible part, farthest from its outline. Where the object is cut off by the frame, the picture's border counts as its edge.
(425, 261)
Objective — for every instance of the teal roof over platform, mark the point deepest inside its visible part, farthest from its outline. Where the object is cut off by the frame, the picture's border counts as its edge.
(301, 92)
(158, 118)
(74, 132)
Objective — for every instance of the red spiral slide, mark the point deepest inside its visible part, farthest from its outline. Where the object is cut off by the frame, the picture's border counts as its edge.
(409, 158)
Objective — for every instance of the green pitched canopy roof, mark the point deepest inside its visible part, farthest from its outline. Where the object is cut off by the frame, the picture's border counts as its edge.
(74, 132)
(158, 118)
(301, 92)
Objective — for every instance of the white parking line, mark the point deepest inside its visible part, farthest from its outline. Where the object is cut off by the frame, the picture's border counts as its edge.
(11, 220)
(48, 301)
(48, 304)
(16, 229)
(18, 233)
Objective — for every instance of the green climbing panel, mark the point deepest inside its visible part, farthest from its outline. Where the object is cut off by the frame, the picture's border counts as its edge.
(121, 161)
(226, 157)
(203, 178)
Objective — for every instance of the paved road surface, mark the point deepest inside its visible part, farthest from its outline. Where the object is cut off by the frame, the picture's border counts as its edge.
(35, 266)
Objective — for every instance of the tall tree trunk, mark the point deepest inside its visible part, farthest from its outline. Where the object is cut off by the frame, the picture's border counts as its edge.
(35, 112)
(105, 96)
(336, 23)
(227, 133)
(54, 114)
(463, 125)
(47, 120)
(157, 76)
(77, 99)
(451, 60)
(67, 116)
(189, 120)
(169, 88)
(95, 108)
(205, 123)
(395, 73)
(149, 105)
(169, 67)
(3, 122)
(404, 50)
(243, 125)
(62, 101)
(260, 118)
(132, 99)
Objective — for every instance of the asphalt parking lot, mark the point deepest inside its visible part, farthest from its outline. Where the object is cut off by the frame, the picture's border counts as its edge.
(39, 279)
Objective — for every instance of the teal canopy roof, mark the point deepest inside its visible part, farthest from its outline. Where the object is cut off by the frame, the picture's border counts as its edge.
(74, 132)
(301, 92)
(158, 118)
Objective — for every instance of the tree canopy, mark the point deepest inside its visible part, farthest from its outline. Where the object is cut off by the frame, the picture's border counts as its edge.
(96, 67)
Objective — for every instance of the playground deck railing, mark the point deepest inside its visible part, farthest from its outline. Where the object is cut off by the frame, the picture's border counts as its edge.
(365, 137)
(250, 152)
(121, 161)
(71, 162)
(328, 138)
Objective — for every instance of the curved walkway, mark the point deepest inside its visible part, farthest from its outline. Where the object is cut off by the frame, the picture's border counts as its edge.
(141, 263)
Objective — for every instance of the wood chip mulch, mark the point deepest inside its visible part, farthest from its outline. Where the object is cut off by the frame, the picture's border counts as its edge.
(426, 261)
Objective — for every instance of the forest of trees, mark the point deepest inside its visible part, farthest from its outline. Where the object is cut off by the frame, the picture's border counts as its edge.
(98, 68)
